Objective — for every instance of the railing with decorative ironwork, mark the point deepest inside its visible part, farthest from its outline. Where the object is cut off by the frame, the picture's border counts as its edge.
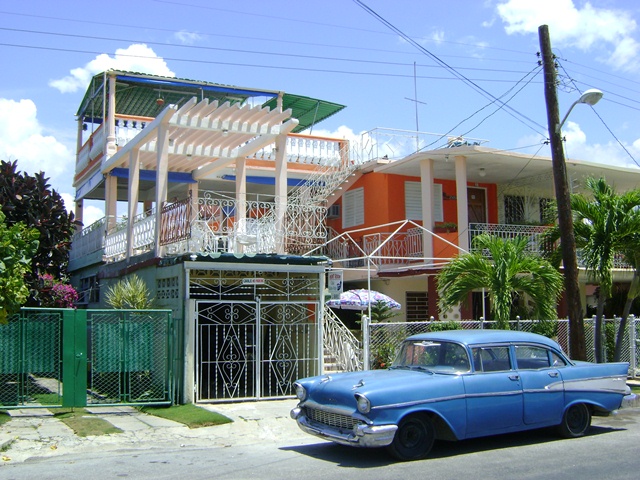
(534, 233)
(323, 180)
(341, 348)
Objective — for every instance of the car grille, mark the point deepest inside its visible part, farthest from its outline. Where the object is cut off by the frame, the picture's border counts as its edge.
(335, 420)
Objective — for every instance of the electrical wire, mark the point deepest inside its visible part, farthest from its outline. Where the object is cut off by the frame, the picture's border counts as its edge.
(511, 111)
(601, 119)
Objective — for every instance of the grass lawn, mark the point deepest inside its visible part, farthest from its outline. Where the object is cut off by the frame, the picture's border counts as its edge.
(190, 415)
(4, 417)
(85, 424)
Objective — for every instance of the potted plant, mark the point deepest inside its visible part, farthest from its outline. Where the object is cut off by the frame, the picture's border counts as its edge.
(446, 227)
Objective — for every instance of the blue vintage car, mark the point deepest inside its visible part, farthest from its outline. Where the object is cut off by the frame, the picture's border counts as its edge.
(460, 384)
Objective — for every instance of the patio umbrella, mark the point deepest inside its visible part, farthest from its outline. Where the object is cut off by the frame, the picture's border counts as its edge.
(360, 299)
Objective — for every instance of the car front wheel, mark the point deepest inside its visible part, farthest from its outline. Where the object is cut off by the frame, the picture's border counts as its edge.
(575, 421)
(414, 438)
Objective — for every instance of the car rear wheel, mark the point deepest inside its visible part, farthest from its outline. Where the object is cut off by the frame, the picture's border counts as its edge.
(575, 421)
(414, 438)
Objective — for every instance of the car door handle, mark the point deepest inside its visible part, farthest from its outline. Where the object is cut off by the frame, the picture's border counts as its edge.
(515, 378)
(553, 374)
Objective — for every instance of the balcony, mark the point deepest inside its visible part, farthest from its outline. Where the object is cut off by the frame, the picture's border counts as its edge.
(211, 225)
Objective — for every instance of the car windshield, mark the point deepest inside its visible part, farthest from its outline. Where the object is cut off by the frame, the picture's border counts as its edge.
(436, 356)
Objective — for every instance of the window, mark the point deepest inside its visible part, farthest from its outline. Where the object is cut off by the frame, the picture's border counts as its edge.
(513, 210)
(531, 358)
(413, 201)
(545, 204)
(353, 208)
(491, 359)
(89, 290)
(416, 306)
(441, 357)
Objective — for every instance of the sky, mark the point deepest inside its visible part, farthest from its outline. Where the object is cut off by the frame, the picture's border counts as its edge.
(404, 65)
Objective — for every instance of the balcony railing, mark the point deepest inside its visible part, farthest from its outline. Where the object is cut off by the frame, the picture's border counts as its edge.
(301, 149)
(87, 241)
(532, 232)
(212, 225)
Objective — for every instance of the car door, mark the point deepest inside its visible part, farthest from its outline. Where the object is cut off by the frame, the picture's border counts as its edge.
(542, 386)
(493, 392)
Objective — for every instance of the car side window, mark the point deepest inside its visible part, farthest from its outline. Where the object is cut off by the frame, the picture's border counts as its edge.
(491, 359)
(557, 360)
(532, 358)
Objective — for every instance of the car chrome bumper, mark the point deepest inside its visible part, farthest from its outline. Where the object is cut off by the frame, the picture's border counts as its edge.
(360, 436)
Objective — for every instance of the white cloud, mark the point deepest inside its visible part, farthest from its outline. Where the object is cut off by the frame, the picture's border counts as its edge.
(585, 28)
(134, 58)
(188, 38)
(22, 139)
(611, 153)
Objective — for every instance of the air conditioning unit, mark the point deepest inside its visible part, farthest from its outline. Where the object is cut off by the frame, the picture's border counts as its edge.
(333, 211)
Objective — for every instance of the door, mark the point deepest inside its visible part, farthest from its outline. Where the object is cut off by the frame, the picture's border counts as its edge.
(477, 205)
(493, 392)
(226, 350)
(288, 339)
(543, 389)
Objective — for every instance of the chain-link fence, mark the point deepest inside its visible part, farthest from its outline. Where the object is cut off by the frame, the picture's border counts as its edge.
(72, 358)
(385, 338)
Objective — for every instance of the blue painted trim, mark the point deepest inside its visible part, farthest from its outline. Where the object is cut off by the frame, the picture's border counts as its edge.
(291, 182)
(150, 175)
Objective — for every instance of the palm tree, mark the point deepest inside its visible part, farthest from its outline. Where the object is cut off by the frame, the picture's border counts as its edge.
(508, 270)
(604, 223)
(631, 254)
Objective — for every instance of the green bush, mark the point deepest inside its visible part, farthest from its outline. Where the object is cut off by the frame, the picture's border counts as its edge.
(442, 326)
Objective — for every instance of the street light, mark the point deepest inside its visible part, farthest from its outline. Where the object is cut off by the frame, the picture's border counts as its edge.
(589, 97)
(577, 348)
(565, 225)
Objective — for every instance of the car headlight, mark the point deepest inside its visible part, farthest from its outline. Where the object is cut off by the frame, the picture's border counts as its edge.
(364, 405)
(301, 392)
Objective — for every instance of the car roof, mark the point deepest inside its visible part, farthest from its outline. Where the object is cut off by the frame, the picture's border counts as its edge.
(472, 337)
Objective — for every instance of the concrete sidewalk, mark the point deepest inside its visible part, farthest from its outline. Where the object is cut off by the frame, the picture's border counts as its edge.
(37, 433)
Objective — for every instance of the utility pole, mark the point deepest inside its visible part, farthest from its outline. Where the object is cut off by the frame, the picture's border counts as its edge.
(565, 216)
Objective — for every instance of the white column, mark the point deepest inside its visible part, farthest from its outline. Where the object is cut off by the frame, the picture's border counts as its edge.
(134, 186)
(426, 187)
(281, 193)
(110, 201)
(110, 134)
(162, 183)
(462, 202)
(192, 189)
(241, 198)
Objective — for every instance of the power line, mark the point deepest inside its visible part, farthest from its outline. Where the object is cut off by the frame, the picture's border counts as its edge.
(247, 65)
(601, 119)
(288, 42)
(234, 50)
(511, 111)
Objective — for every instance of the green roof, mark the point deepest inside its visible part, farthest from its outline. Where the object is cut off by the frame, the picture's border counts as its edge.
(137, 94)
(308, 111)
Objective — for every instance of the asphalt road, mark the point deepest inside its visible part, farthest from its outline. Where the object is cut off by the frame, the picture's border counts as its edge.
(609, 451)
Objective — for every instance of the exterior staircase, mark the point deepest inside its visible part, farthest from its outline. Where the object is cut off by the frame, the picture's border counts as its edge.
(342, 350)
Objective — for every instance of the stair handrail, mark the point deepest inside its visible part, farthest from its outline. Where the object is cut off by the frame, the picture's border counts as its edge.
(341, 344)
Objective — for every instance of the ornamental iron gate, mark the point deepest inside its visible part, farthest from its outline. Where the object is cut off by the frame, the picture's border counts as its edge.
(75, 358)
(256, 331)
(249, 350)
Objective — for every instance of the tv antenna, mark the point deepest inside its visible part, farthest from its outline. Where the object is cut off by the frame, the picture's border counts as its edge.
(416, 102)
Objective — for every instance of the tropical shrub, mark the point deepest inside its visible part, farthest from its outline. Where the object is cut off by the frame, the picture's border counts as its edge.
(130, 293)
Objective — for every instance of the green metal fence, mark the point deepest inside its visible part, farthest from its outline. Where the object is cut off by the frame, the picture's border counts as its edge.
(75, 358)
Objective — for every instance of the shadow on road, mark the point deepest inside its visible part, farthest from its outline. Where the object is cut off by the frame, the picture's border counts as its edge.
(351, 457)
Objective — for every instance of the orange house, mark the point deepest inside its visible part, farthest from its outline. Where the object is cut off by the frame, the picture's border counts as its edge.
(408, 217)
